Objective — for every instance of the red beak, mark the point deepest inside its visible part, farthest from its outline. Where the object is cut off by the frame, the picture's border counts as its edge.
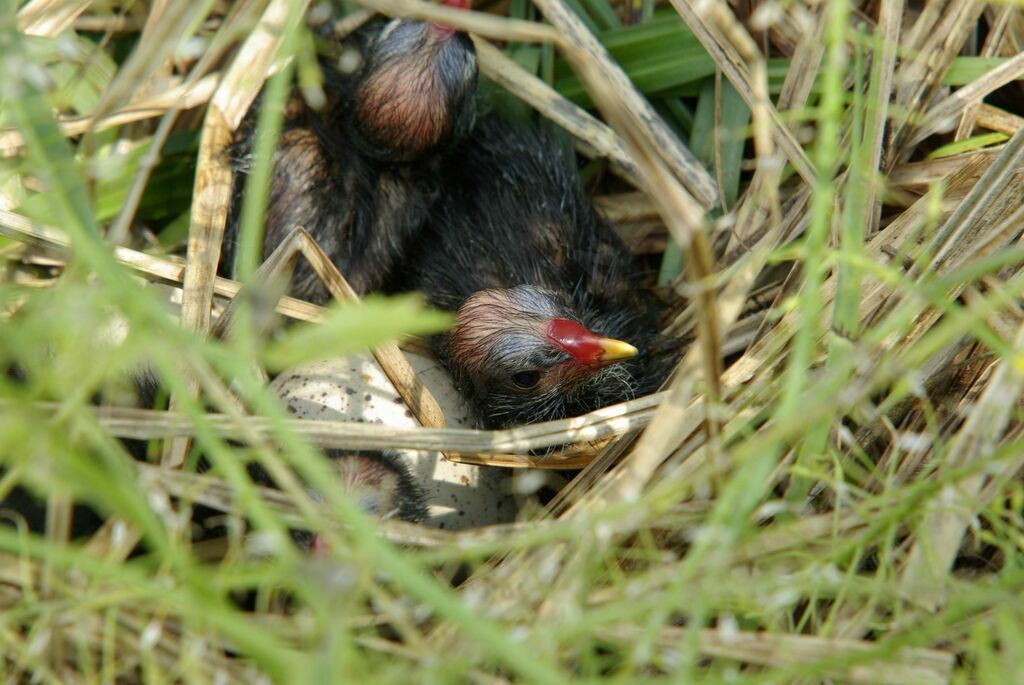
(586, 348)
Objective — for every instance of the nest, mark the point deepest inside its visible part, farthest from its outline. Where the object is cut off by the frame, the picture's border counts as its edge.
(826, 491)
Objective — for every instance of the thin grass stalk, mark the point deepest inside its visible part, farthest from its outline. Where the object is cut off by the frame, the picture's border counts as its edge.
(213, 180)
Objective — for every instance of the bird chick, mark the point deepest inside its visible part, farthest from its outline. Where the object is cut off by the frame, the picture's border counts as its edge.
(545, 291)
(524, 356)
(380, 483)
(361, 175)
(414, 93)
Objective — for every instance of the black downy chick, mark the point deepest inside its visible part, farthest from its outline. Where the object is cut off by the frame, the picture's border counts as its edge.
(361, 175)
(545, 291)
(379, 481)
(382, 485)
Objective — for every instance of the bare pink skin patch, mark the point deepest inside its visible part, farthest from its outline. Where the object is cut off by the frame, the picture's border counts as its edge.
(318, 548)
(456, 4)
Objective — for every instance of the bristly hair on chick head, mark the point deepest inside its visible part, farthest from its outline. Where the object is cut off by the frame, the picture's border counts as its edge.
(414, 91)
(382, 485)
(524, 357)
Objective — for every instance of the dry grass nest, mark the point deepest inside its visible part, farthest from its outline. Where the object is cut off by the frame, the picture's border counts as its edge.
(828, 489)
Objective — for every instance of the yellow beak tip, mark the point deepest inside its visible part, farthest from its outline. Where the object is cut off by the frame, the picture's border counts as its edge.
(615, 350)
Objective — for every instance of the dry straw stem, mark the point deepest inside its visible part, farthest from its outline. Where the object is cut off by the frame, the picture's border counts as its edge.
(593, 137)
(212, 190)
(23, 229)
(49, 17)
(486, 25)
(969, 117)
(803, 67)
(889, 19)
(214, 492)
(352, 21)
(920, 176)
(935, 39)
(733, 50)
(606, 79)
(939, 116)
(922, 666)
(996, 119)
(147, 106)
(149, 60)
(618, 419)
(953, 239)
(394, 364)
(106, 24)
(119, 230)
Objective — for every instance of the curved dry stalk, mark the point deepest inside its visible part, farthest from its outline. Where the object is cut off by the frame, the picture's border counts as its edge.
(605, 78)
(212, 191)
(486, 25)
(49, 17)
(23, 229)
(594, 138)
(150, 106)
(616, 419)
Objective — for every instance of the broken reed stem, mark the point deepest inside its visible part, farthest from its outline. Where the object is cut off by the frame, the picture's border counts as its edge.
(606, 80)
(594, 138)
(21, 228)
(209, 216)
(396, 367)
(682, 214)
(618, 419)
(212, 191)
(479, 23)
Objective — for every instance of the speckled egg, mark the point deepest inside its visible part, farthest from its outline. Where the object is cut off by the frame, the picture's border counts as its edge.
(458, 496)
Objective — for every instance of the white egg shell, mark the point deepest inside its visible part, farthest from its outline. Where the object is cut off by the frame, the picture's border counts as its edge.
(459, 496)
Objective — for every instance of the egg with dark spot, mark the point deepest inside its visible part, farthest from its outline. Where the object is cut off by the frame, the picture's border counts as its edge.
(458, 496)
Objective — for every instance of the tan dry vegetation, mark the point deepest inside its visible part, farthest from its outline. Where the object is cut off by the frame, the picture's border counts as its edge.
(828, 490)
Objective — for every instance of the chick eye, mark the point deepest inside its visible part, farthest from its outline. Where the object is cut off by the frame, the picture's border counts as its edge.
(526, 379)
